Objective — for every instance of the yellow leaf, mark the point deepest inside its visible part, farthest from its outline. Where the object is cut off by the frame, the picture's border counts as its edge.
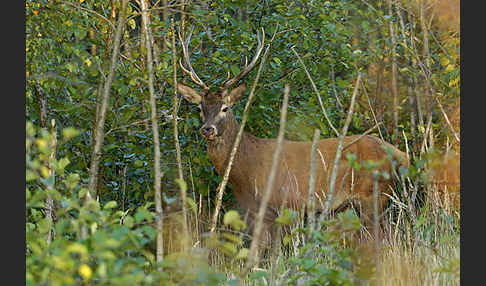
(449, 68)
(444, 61)
(77, 248)
(454, 82)
(44, 171)
(132, 24)
(88, 62)
(85, 271)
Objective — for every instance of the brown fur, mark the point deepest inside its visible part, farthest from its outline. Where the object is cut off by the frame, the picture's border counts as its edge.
(253, 160)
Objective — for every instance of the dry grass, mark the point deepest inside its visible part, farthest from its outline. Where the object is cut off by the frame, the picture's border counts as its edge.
(420, 264)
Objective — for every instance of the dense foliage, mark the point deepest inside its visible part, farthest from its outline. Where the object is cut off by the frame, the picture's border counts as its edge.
(69, 45)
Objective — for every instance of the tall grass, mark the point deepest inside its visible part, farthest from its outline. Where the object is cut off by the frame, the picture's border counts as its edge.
(420, 245)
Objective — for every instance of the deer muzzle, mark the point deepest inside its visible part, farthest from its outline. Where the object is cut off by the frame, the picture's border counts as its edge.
(209, 132)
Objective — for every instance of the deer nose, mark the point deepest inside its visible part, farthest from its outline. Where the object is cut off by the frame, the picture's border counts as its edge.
(207, 131)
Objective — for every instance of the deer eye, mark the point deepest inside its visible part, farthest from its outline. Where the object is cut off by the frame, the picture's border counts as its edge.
(225, 109)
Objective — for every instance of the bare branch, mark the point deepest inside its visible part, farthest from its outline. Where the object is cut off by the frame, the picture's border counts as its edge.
(49, 200)
(222, 186)
(89, 11)
(176, 135)
(253, 256)
(316, 91)
(312, 181)
(447, 120)
(339, 150)
(99, 130)
(361, 136)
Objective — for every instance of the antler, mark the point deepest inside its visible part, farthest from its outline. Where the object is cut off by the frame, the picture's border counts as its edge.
(247, 68)
(190, 71)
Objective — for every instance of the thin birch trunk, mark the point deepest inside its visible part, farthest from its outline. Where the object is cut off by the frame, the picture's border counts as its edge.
(165, 17)
(183, 18)
(99, 135)
(143, 63)
(253, 255)
(409, 93)
(426, 57)
(315, 91)
(159, 252)
(100, 123)
(394, 74)
(339, 150)
(50, 186)
(222, 186)
(49, 204)
(311, 201)
(176, 133)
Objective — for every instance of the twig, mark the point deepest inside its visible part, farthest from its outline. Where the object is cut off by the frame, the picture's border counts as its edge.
(361, 136)
(334, 89)
(90, 11)
(316, 91)
(372, 111)
(447, 120)
(339, 150)
(376, 221)
(426, 146)
(253, 256)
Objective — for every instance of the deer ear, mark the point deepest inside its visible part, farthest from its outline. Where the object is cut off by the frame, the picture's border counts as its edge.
(235, 94)
(189, 94)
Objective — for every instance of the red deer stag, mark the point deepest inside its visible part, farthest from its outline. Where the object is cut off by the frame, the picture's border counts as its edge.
(253, 160)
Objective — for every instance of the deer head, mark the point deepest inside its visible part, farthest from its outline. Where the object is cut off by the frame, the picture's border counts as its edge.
(215, 106)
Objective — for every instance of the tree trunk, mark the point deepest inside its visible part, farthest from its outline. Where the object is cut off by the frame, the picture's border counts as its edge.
(426, 59)
(176, 133)
(394, 75)
(155, 133)
(49, 204)
(100, 122)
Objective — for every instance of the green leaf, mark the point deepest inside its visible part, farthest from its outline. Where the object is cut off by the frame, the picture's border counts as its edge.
(258, 274)
(182, 185)
(232, 218)
(128, 221)
(243, 253)
(138, 163)
(70, 132)
(286, 218)
(192, 205)
(235, 69)
(110, 205)
(63, 163)
(43, 226)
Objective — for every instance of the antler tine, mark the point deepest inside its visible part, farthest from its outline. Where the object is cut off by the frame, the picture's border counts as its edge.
(249, 67)
(228, 75)
(185, 50)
